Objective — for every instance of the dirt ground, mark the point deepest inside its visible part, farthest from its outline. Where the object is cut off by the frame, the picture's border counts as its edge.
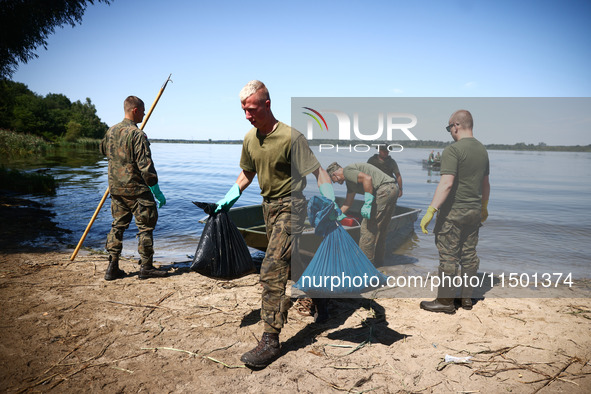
(65, 329)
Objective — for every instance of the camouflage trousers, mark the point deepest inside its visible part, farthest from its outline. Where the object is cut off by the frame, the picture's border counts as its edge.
(143, 208)
(374, 230)
(456, 237)
(284, 221)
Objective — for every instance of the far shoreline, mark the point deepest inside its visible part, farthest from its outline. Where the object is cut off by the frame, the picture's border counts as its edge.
(521, 146)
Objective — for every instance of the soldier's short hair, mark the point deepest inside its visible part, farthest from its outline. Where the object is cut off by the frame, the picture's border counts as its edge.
(464, 118)
(132, 102)
(251, 88)
(332, 168)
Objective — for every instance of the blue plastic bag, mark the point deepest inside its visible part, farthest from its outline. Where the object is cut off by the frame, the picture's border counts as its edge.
(339, 266)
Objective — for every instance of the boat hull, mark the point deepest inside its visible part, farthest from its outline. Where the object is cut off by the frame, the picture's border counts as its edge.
(250, 223)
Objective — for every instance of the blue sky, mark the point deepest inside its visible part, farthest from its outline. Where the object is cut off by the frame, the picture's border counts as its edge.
(315, 49)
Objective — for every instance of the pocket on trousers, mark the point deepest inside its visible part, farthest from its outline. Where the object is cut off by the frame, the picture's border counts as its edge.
(146, 213)
(285, 243)
(444, 229)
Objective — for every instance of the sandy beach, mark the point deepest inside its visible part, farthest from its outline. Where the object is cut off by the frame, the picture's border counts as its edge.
(65, 329)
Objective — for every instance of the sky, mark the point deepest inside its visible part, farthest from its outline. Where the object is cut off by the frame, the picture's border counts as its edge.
(430, 48)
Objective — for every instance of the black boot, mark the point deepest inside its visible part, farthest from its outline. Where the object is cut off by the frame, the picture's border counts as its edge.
(467, 288)
(321, 310)
(147, 270)
(445, 298)
(445, 305)
(264, 353)
(113, 272)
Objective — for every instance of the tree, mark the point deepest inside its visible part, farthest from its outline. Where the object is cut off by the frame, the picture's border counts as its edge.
(27, 24)
(52, 117)
(85, 115)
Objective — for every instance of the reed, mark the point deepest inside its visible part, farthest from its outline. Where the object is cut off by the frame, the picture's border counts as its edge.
(21, 145)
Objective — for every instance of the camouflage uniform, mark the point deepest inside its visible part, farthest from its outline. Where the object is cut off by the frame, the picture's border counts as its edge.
(459, 218)
(131, 172)
(456, 237)
(284, 219)
(385, 191)
(372, 240)
(281, 159)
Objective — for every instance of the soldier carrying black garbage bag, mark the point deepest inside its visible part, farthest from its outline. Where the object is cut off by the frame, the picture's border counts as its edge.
(281, 159)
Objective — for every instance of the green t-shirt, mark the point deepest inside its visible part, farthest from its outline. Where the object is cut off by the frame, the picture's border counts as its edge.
(281, 160)
(351, 172)
(388, 166)
(467, 160)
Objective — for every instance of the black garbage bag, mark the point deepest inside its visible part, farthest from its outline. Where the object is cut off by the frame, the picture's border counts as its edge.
(222, 252)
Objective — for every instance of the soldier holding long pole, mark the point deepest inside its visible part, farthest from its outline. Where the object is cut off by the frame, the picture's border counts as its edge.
(133, 184)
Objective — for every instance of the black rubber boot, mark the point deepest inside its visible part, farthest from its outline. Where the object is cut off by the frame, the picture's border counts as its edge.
(147, 270)
(467, 289)
(113, 272)
(445, 305)
(445, 299)
(264, 353)
(321, 310)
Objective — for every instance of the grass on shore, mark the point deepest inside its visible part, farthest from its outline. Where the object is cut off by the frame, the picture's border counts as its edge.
(18, 145)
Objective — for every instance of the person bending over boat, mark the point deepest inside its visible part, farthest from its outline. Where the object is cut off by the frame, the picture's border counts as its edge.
(461, 200)
(281, 159)
(380, 195)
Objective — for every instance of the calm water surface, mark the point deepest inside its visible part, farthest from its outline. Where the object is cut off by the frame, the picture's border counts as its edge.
(539, 220)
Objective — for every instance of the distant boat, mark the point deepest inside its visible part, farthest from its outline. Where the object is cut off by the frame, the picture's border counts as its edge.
(432, 165)
(250, 223)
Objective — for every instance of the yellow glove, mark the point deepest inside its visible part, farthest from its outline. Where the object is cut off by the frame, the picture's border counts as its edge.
(484, 211)
(427, 218)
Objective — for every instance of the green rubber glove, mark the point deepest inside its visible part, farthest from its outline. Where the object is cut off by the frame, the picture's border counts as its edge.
(427, 219)
(158, 195)
(229, 199)
(366, 208)
(327, 191)
(484, 211)
(341, 217)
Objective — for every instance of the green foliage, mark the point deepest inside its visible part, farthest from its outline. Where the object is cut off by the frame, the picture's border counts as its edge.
(27, 182)
(90, 144)
(20, 145)
(27, 24)
(52, 117)
(73, 131)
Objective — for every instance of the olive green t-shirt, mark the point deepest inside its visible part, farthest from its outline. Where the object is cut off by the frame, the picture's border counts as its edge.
(351, 172)
(281, 160)
(467, 160)
(388, 165)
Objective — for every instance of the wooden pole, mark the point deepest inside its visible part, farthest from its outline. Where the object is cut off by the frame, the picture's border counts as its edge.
(100, 205)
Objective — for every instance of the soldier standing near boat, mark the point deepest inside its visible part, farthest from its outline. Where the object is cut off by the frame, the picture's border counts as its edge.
(388, 165)
(132, 181)
(461, 200)
(281, 159)
(380, 195)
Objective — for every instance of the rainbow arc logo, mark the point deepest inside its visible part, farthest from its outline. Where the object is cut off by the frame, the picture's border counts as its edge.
(315, 118)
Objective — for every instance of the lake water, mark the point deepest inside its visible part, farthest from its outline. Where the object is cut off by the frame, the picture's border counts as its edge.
(539, 215)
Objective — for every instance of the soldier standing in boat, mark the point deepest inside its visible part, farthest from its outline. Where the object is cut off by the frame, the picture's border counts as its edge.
(281, 159)
(388, 165)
